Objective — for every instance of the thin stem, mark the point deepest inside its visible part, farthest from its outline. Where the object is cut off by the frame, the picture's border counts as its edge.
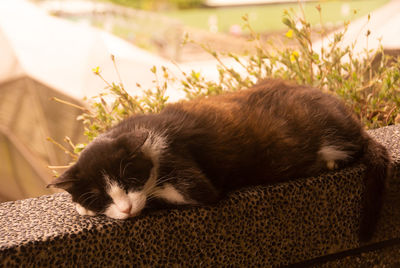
(58, 167)
(74, 156)
(70, 104)
(117, 71)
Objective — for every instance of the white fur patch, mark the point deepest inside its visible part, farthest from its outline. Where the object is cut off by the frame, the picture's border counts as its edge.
(83, 211)
(120, 206)
(331, 164)
(169, 193)
(124, 205)
(153, 148)
(138, 201)
(331, 154)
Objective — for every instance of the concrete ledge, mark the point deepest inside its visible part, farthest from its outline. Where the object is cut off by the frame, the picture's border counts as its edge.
(289, 223)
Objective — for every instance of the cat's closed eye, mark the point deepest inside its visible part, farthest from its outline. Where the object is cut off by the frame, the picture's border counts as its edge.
(93, 200)
(131, 184)
(137, 170)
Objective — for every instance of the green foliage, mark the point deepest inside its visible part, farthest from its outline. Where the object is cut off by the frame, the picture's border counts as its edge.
(117, 104)
(372, 92)
(185, 4)
(267, 18)
(159, 4)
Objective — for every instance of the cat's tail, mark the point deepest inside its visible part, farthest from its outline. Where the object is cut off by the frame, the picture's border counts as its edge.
(378, 163)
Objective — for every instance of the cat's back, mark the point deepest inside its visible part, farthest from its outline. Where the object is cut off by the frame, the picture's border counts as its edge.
(278, 101)
(228, 107)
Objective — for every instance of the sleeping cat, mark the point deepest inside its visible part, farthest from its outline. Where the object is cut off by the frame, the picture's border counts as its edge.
(194, 152)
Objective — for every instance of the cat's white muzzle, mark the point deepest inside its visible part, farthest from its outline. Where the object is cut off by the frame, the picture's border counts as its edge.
(126, 205)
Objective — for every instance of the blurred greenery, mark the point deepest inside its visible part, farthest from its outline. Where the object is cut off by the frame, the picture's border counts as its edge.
(158, 4)
(268, 17)
(262, 17)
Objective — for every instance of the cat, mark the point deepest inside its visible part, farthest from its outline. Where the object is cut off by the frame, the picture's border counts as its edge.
(194, 152)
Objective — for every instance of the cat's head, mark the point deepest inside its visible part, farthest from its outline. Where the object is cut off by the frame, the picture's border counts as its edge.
(113, 176)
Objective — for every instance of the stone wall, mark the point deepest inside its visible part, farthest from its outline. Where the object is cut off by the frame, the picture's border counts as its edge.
(309, 221)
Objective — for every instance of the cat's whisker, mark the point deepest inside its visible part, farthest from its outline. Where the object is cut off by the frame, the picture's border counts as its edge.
(87, 196)
(120, 168)
(90, 198)
(133, 179)
(159, 181)
(153, 190)
(127, 165)
(88, 193)
(91, 202)
(150, 197)
(163, 179)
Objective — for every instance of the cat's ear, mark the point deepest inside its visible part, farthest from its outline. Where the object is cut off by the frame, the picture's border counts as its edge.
(133, 140)
(65, 181)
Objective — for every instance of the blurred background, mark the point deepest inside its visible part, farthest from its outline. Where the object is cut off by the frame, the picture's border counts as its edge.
(49, 48)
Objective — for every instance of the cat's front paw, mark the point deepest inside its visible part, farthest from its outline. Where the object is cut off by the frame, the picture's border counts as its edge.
(83, 211)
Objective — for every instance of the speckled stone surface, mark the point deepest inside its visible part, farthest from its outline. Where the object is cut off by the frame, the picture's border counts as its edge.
(260, 226)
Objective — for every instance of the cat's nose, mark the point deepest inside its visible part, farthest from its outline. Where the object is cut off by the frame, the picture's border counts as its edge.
(126, 209)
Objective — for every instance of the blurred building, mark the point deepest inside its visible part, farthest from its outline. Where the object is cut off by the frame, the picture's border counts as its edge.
(44, 57)
(381, 27)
